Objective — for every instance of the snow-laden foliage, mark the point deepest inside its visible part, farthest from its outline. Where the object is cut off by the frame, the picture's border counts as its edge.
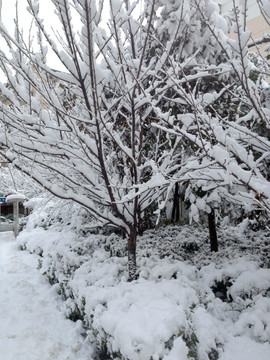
(139, 104)
(186, 303)
(47, 210)
(218, 110)
(14, 181)
(81, 132)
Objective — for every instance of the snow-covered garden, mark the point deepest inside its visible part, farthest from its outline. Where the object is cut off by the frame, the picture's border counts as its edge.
(139, 134)
(187, 302)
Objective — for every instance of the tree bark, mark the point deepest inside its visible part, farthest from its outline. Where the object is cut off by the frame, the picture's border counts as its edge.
(175, 210)
(212, 231)
(132, 266)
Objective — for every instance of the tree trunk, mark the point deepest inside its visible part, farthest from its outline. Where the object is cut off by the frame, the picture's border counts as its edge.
(175, 209)
(212, 231)
(132, 267)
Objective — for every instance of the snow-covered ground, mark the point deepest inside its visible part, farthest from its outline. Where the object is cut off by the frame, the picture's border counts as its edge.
(172, 312)
(187, 304)
(31, 325)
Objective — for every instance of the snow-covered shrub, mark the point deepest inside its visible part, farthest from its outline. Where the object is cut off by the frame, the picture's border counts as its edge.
(48, 211)
(171, 310)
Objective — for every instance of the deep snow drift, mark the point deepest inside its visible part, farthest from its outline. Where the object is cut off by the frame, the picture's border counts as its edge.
(31, 325)
(186, 304)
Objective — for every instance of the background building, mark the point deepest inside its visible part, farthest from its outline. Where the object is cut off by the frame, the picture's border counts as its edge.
(256, 23)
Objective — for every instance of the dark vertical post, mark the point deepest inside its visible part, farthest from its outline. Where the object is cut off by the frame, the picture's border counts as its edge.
(212, 231)
(175, 209)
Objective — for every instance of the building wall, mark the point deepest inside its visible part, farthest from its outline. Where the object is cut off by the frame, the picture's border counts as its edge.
(255, 21)
(253, 10)
(258, 26)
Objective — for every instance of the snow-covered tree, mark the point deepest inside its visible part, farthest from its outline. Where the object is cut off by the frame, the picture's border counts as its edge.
(137, 105)
(84, 133)
(216, 106)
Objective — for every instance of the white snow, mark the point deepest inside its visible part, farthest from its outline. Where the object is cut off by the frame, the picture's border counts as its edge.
(15, 197)
(245, 348)
(32, 327)
(171, 310)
